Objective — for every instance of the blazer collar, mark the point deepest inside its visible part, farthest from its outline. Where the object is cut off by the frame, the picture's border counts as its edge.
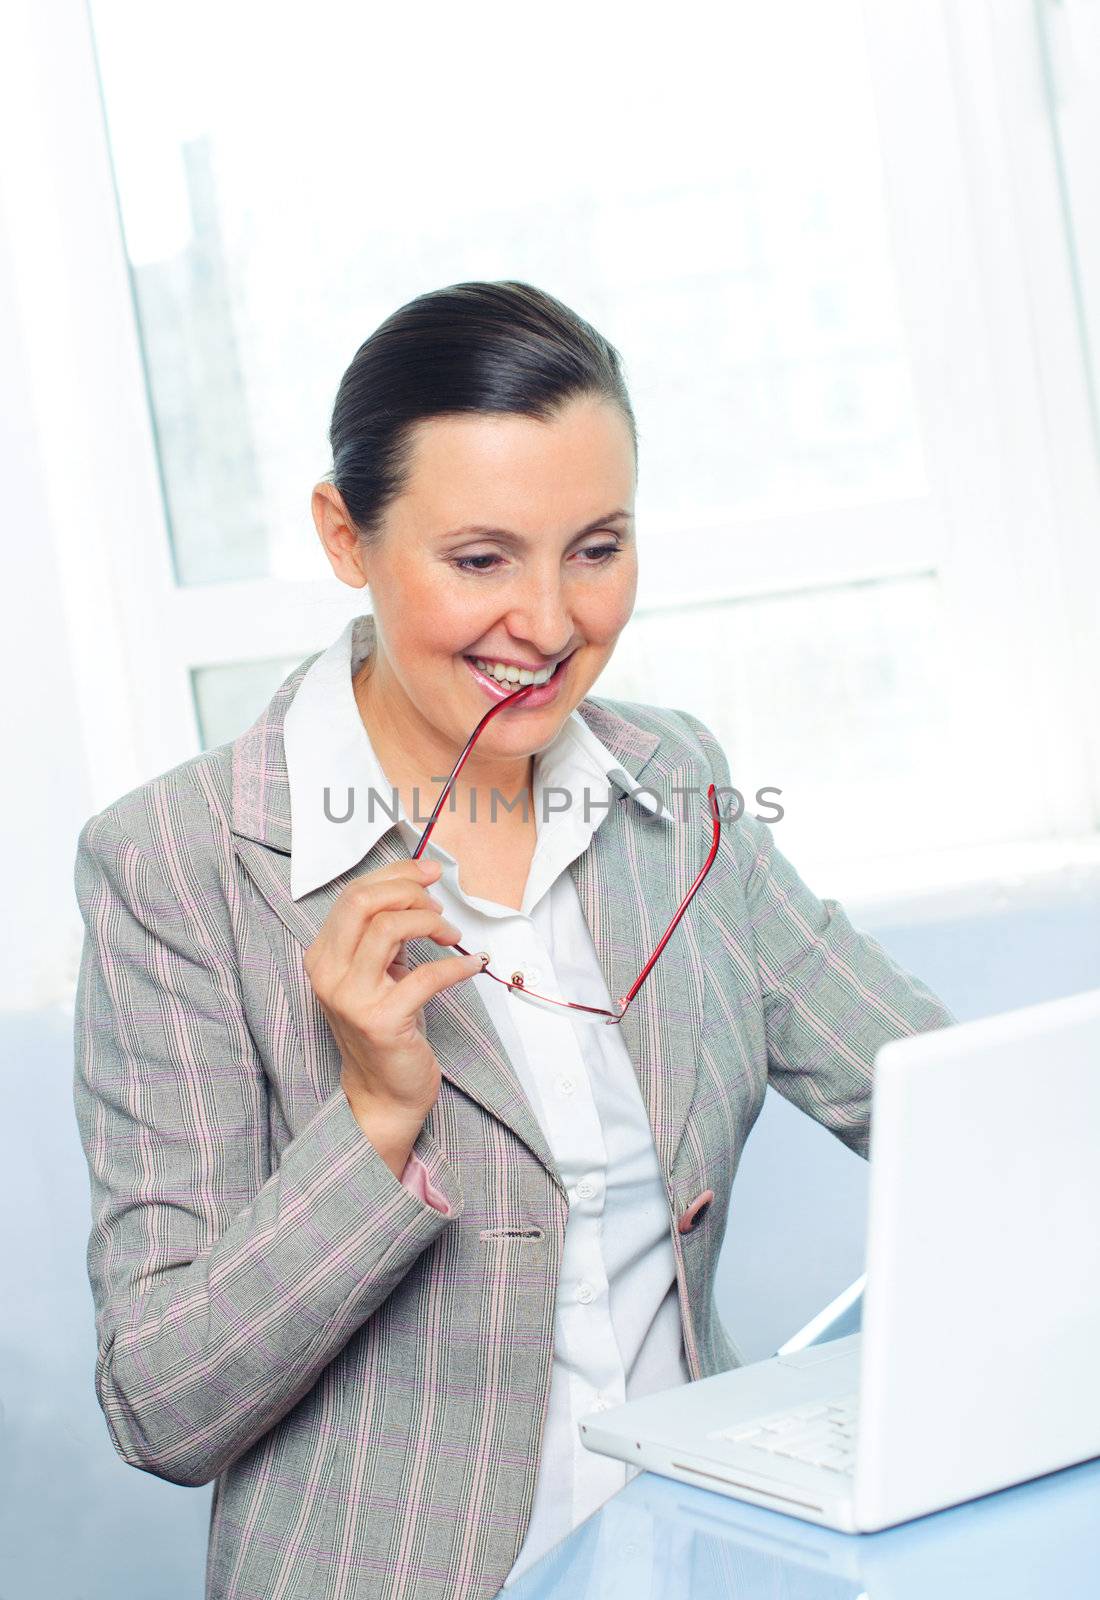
(631, 879)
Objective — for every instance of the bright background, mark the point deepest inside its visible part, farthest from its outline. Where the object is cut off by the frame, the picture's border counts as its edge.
(851, 258)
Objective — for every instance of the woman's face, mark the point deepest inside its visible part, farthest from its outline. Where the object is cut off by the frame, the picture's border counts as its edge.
(514, 543)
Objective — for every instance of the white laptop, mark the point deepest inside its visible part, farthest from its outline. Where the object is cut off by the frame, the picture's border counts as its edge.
(978, 1361)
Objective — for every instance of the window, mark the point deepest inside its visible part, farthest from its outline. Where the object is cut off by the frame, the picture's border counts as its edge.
(858, 564)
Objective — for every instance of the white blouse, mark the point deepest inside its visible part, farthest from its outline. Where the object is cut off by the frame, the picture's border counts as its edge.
(617, 1331)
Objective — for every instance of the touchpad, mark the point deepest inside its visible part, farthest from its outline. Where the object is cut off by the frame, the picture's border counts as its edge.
(818, 1354)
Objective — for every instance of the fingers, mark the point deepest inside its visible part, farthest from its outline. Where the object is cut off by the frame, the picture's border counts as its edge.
(431, 978)
(388, 930)
(402, 884)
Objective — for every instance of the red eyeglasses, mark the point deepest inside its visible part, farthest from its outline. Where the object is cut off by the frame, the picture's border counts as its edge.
(516, 982)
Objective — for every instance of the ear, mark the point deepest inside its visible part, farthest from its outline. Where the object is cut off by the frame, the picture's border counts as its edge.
(338, 535)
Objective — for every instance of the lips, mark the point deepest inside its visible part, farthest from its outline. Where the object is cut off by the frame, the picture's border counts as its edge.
(521, 666)
(536, 695)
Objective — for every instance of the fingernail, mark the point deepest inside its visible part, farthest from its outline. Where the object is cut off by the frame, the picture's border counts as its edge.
(432, 901)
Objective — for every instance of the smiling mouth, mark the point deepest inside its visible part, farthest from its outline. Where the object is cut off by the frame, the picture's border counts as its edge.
(524, 676)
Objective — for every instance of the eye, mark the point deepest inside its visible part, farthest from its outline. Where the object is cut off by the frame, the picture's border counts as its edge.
(596, 555)
(467, 563)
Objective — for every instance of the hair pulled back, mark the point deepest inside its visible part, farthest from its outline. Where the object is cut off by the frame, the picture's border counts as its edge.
(472, 347)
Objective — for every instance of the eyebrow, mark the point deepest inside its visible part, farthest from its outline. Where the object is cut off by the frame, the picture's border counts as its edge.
(482, 530)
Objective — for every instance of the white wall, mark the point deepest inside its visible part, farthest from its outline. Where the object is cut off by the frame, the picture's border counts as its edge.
(44, 795)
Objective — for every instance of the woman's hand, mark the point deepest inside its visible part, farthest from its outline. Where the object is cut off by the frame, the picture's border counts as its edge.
(374, 1002)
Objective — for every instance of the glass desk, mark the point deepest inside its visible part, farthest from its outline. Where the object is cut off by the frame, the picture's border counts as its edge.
(662, 1540)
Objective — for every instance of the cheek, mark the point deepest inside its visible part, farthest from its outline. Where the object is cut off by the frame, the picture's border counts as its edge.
(609, 610)
(444, 619)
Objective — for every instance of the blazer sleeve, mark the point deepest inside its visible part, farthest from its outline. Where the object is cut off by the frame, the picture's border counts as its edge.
(830, 993)
(222, 1288)
(416, 1178)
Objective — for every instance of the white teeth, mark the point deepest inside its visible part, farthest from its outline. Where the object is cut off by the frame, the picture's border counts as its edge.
(519, 675)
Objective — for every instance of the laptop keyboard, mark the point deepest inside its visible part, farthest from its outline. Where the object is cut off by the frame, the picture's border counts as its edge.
(821, 1433)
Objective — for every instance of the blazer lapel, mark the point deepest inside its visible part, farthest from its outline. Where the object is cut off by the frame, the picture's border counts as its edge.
(630, 880)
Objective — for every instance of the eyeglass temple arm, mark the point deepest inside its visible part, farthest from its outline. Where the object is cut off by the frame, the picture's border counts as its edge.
(469, 745)
(700, 875)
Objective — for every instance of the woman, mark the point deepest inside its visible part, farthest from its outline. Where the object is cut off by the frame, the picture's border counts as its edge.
(372, 1230)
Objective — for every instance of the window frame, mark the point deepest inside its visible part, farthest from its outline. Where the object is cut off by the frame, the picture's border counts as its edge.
(1020, 456)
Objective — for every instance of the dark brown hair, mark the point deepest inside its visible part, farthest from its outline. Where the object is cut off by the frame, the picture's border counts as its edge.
(472, 347)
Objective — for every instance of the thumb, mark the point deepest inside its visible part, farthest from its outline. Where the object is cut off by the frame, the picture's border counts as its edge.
(419, 985)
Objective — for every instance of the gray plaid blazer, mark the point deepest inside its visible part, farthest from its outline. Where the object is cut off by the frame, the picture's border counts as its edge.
(363, 1379)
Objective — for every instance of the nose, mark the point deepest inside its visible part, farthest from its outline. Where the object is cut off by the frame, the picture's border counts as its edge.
(540, 615)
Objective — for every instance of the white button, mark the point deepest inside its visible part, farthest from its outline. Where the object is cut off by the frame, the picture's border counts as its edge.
(585, 1293)
(566, 1085)
(534, 974)
(600, 1404)
(587, 1189)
